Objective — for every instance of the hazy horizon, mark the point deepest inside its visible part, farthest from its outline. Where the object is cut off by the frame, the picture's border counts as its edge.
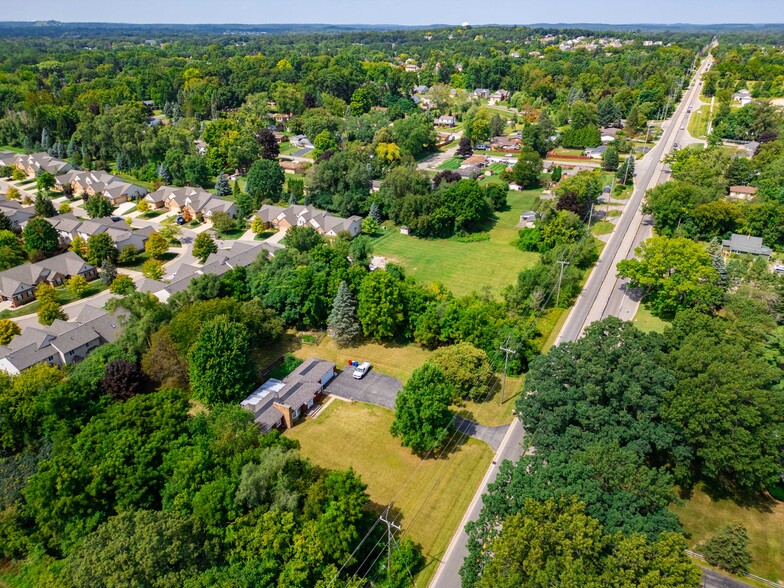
(402, 12)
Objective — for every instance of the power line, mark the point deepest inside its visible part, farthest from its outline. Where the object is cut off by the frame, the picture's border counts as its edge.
(515, 341)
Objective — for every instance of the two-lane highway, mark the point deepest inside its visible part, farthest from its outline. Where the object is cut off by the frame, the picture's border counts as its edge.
(591, 303)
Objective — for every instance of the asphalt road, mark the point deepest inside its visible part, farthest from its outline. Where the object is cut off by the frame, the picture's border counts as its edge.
(711, 579)
(591, 303)
(604, 295)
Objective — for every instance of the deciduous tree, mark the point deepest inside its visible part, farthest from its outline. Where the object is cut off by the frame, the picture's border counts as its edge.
(673, 273)
(220, 366)
(423, 419)
(123, 284)
(77, 285)
(153, 269)
(39, 235)
(122, 379)
(156, 245)
(100, 248)
(465, 367)
(8, 330)
(265, 181)
(203, 246)
(97, 206)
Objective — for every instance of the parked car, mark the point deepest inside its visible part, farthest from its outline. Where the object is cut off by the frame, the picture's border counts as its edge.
(361, 370)
(180, 220)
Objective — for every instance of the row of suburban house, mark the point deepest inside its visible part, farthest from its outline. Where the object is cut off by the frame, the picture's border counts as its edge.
(191, 201)
(33, 163)
(18, 284)
(278, 217)
(63, 342)
(114, 189)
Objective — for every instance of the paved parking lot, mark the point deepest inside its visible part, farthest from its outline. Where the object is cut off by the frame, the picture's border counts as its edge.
(374, 388)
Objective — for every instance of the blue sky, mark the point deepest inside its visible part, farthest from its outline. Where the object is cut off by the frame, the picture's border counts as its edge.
(404, 12)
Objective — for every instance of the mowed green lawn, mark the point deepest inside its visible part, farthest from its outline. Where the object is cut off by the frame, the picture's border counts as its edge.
(701, 517)
(646, 322)
(435, 497)
(465, 267)
(698, 121)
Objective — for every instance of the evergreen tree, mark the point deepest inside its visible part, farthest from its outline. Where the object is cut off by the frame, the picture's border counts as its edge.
(163, 173)
(292, 199)
(46, 139)
(235, 189)
(556, 173)
(632, 122)
(343, 321)
(57, 150)
(72, 150)
(375, 212)
(108, 272)
(625, 173)
(610, 159)
(43, 206)
(222, 187)
(121, 163)
(727, 549)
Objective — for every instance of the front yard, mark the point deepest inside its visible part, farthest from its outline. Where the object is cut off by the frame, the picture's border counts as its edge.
(64, 297)
(357, 435)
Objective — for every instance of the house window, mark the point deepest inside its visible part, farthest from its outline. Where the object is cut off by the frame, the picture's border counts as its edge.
(71, 352)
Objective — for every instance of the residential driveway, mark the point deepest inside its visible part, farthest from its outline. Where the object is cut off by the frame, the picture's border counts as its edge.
(276, 238)
(490, 435)
(302, 152)
(374, 388)
(381, 390)
(433, 161)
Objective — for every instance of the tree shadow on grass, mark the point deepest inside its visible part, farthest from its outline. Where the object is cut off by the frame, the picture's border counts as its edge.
(759, 501)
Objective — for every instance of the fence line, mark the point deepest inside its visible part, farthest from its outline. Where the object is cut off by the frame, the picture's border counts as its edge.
(752, 576)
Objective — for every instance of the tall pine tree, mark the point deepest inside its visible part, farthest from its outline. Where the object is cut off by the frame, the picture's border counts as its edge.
(222, 187)
(343, 322)
(375, 212)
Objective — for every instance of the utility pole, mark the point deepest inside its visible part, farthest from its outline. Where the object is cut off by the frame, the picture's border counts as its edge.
(560, 277)
(507, 351)
(390, 525)
(590, 214)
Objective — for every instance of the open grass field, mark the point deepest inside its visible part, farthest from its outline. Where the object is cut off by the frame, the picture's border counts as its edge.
(465, 267)
(357, 435)
(648, 323)
(701, 517)
(389, 358)
(698, 122)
